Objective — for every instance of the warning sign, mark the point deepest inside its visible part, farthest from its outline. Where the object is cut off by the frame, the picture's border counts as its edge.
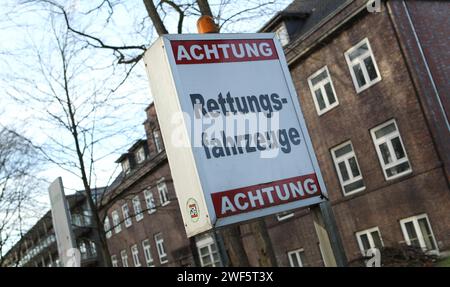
(232, 126)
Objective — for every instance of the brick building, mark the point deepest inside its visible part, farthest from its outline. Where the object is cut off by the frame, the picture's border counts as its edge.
(38, 248)
(143, 222)
(374, 94)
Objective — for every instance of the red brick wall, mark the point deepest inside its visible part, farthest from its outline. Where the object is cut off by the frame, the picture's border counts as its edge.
(422, 28)
(383, 203)
(431, 21)
(166, 219)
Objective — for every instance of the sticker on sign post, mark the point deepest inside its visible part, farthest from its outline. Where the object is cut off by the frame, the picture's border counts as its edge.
(233, 129)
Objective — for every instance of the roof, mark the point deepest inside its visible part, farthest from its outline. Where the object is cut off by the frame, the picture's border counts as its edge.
(137, 144)
(122, 157)
(312, 11)
(149, 106)
(116, 182)
(80, 195)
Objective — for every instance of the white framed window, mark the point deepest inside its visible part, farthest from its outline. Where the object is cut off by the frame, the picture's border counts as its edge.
(368, 239)
(107, 227)
(126, 215)
(285, 215)
(282, 34)
(157, 139)
(126, 166)
(390, 149)
(296, 257)
(347, 168)
(322, 91)
(208, 252)
(140, 155)
(417, 232)
(124, 257)
(159, 240)
(362, 65)
(163, 192)
(137, 208)
(93, 248)
(83, 249)
(135, 255)
(149, 201)
(114, 261)
(147, 253)
(116, 221)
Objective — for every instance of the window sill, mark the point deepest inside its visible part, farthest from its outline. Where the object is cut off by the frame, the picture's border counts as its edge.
(397, 176)
(360, 90)
(285, 217)
(323, 112)
(432, 252)
(353, 191)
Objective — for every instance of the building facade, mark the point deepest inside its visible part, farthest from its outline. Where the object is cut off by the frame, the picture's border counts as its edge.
(377, 119)
(143, 221)
(38, 247)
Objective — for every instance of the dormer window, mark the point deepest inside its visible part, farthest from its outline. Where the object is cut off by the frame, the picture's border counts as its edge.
(140, 155)
(126, 166)
(282, 34)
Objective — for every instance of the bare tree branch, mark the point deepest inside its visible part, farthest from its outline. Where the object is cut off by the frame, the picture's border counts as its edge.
(154, 16)
(180, 12)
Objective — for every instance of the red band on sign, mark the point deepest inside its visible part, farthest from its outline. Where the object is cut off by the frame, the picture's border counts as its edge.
(223, 51)
(260, 196)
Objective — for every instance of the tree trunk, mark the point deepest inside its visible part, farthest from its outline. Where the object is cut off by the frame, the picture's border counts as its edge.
(204, 7)
(263, 244)
(154, 16)
(106, 259)
(233, 244)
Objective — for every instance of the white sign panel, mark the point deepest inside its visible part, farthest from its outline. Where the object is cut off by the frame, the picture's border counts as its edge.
(234, 133)
(68, 253)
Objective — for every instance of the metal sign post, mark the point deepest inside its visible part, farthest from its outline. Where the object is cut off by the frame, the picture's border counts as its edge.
(329, 240)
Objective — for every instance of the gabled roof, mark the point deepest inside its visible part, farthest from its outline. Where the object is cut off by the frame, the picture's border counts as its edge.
(137, 144)
(312, 11)
(280, 16)
(122, 157)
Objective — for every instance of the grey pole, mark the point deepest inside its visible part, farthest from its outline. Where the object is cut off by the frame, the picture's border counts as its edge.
(330, 242)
